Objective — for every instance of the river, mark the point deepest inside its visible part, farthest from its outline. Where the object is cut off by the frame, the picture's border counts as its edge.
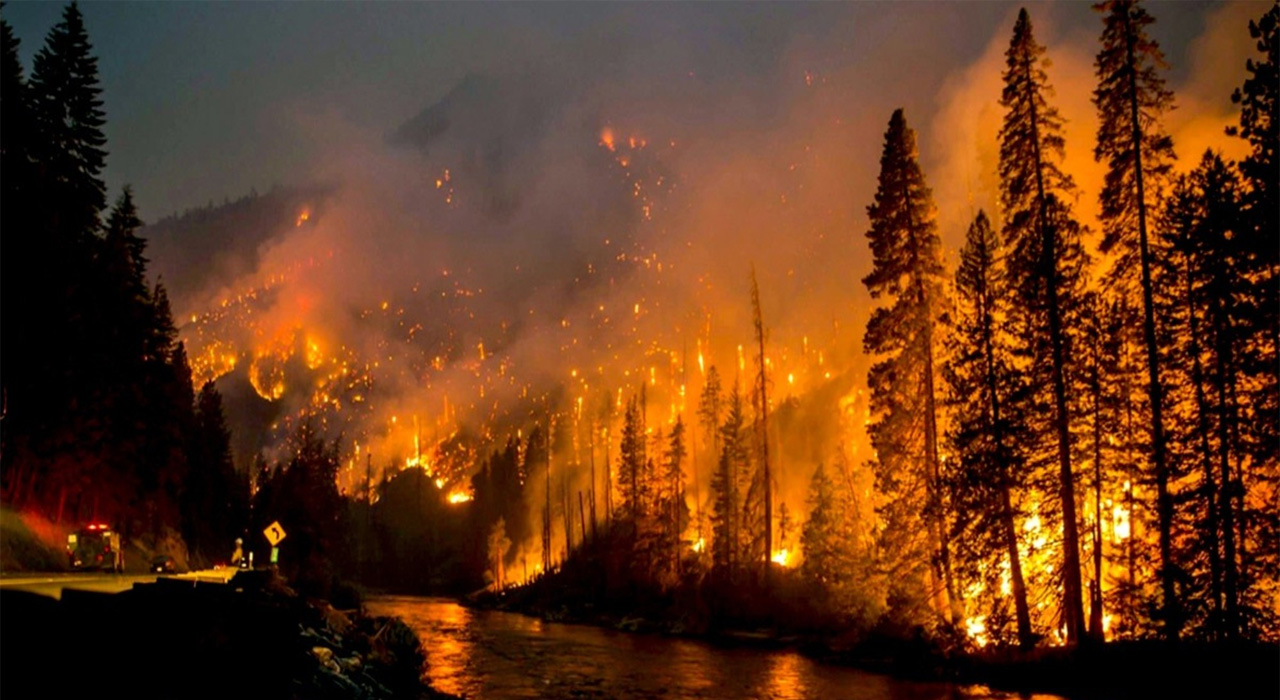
(486, 654)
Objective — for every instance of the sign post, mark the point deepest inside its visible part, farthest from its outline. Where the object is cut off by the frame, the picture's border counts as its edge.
(274, 534)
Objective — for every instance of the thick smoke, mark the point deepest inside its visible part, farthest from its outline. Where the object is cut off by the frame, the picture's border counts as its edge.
(554, 232)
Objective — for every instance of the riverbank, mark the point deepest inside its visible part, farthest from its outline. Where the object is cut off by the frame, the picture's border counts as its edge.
(252, 637)
(1112, 671)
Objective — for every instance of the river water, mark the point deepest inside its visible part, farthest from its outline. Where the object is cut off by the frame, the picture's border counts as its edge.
(485, 654)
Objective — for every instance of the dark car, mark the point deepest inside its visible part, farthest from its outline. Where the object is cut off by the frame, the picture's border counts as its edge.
(163, 564)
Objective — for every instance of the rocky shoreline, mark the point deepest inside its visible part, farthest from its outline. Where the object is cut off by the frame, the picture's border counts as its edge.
(252, 637)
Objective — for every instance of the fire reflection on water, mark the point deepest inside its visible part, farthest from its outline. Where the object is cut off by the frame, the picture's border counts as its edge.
(482, 654)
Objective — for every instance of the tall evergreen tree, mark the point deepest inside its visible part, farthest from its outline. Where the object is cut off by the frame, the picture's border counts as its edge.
(1131, 99)
(1205, 224)
(675, 511)
(986, 435)
(632, 460)
(1259, 100)
(710, 402)
(907, 273)
(214, 497)
(1046, 262)
(16, 343)
(69, 119)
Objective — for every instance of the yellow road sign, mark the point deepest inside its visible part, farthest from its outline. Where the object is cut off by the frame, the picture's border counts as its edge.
(274, 533)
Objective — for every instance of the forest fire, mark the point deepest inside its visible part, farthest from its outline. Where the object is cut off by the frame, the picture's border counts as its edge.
(664, 388)
(713, 336)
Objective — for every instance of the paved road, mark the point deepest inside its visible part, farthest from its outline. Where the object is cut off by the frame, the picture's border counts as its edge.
(52, 584)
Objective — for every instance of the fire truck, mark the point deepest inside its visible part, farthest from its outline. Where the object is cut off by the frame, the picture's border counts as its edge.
(95, 546)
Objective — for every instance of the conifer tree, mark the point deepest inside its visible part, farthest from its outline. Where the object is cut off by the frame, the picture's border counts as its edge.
(821, 537)
(986, 434)
(632, 463)
(675, 511)
(71, 146)
(1205, 219)
(1046, 263)
(1131, 99)
(726, 549)
(214, 497)
(1259, 100)
(833, 559)
(907, 274)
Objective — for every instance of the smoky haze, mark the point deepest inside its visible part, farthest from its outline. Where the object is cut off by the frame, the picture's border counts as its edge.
(492, 213)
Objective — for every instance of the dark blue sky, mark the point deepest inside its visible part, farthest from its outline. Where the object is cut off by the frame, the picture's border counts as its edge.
(204, 100)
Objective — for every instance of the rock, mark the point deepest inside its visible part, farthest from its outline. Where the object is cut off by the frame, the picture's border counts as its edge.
(336, 620)
(351, 664)
(326, 658)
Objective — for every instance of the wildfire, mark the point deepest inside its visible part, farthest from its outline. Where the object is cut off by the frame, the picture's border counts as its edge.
(781, 557)
(976, 628)
(700, 545)
(457, 497)
(1120, 520)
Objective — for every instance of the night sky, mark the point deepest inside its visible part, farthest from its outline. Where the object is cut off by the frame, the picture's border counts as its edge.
(207, 100)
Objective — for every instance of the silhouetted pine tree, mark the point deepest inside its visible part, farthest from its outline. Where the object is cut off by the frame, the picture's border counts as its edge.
(214, 496)
(1205, 223)
(1046, 265)
(1131, 99)
(632, 458)
(673, 511)
(18, 474)
(904, 430)
(54, 159)
(1259, 100)
(69, 118)
(726, 489)
(987, 435)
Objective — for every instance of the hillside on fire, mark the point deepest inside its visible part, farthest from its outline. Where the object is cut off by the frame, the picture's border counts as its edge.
(747, 340)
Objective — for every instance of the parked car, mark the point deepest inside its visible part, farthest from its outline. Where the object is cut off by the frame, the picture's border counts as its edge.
(163, 564)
